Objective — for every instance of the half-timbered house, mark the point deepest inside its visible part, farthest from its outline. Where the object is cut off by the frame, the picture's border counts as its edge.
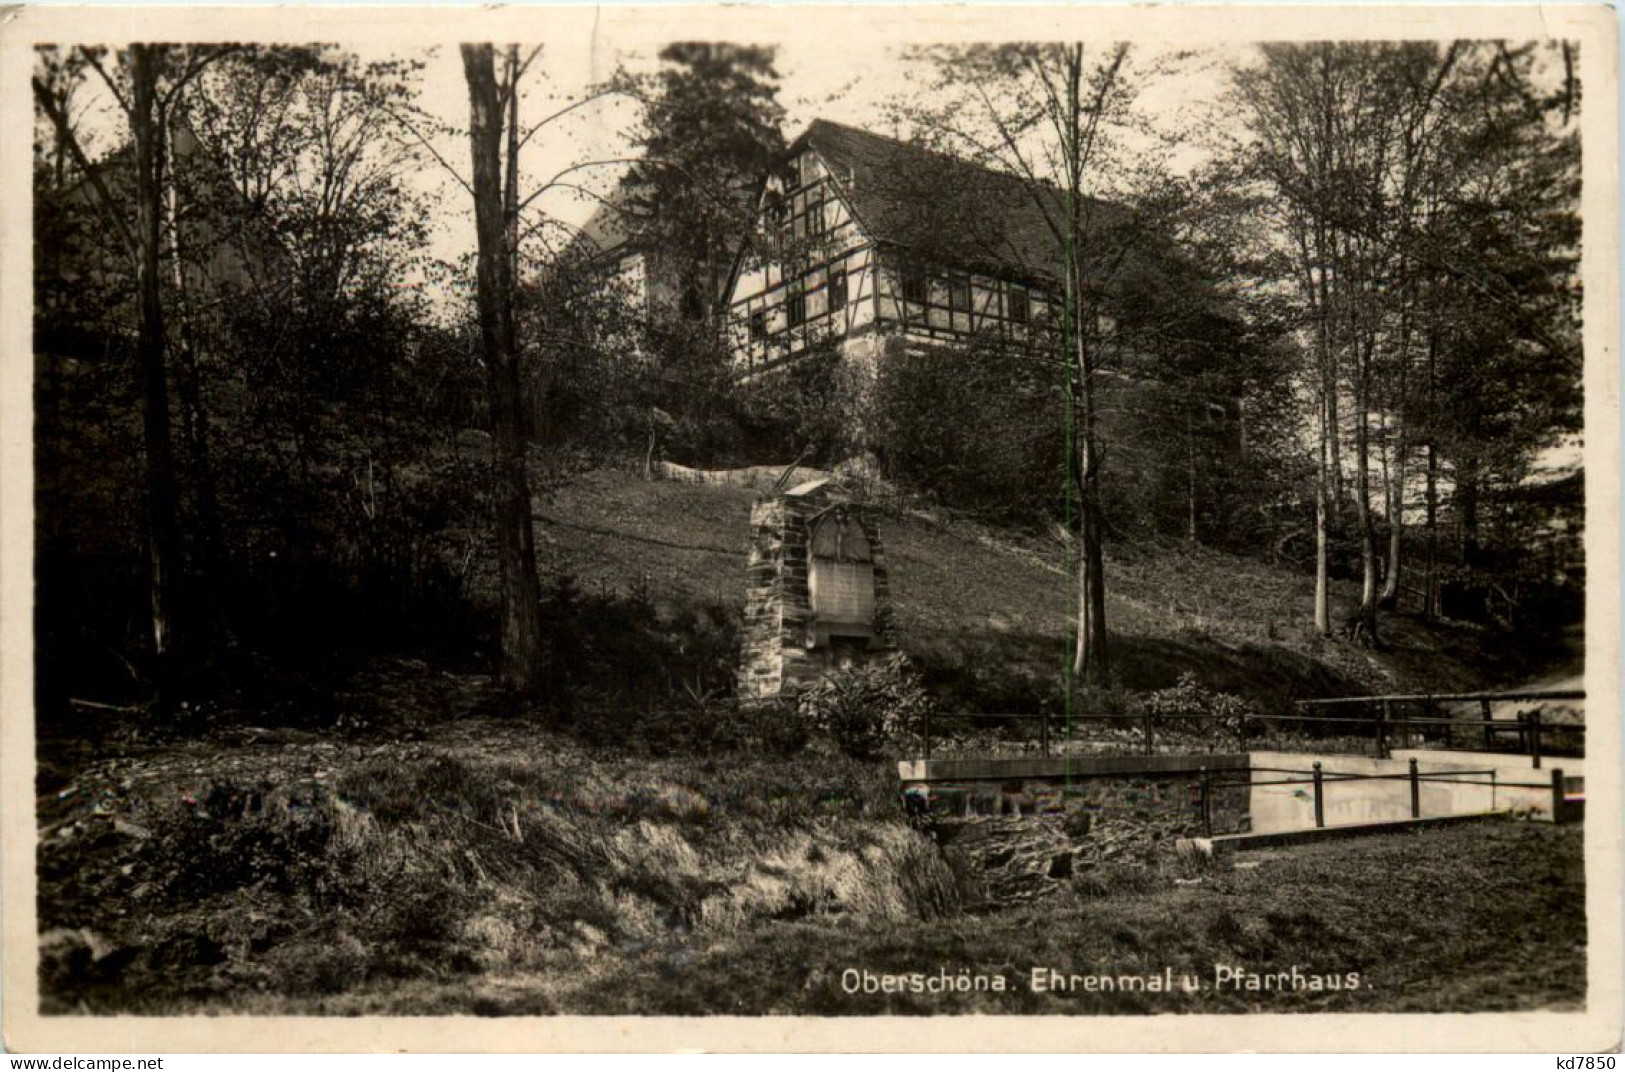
(866, 242)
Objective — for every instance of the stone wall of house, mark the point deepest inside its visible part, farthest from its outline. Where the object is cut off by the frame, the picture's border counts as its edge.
(776, 658)
(1024, 839)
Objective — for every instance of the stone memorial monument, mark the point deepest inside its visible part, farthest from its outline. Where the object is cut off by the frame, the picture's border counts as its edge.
(816, 593)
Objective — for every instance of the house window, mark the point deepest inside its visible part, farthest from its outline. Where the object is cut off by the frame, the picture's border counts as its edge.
(959, 296)
(1016, 303)
(916, 288)
(758, 325)
(795, 305)
(837, 289)
(815, 219)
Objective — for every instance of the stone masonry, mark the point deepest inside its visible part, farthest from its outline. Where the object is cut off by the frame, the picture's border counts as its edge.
(1028, 835)
(780, 654)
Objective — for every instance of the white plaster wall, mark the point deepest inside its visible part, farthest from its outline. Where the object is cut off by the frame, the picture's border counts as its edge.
(1292, 807)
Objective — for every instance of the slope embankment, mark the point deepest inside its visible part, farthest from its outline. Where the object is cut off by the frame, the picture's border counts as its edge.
(986, 612)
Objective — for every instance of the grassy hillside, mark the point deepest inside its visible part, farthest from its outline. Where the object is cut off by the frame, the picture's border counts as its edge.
(986, 612)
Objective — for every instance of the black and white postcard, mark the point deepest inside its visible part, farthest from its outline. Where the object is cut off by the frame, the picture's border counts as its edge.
(799, 527)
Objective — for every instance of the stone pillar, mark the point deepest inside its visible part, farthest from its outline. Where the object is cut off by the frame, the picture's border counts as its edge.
(781, 651)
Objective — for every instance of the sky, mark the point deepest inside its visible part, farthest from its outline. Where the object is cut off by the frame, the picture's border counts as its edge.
(851, 81)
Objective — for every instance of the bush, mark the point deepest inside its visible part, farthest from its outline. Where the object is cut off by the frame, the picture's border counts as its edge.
(815, 408)
(977, 425)
(779, 728)
(863, 708)
(1188, 709)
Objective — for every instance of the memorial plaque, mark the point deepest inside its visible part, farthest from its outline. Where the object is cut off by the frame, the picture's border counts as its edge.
(843, 597)
(840, 579)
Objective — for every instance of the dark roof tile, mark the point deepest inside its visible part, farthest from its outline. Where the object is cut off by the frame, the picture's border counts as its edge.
(945, 210)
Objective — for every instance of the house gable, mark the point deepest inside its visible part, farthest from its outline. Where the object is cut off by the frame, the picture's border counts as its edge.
(860, 235)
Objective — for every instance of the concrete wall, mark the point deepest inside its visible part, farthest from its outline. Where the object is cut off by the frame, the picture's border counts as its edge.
(1446, 788)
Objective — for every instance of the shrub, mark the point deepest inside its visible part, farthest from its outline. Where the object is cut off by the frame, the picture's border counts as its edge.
(976, 425)
(779, 727)
(864, 707)
(1188, 709)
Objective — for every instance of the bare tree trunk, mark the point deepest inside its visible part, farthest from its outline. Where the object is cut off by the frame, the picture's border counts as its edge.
(1430, 577)
(163, 526)
(1366, 618)
(1190, 477)
(1330, 375)
(1091, 660)
(1323, 614)
(510, 185)
(516, 548)
(210, 569)
(1396, 523)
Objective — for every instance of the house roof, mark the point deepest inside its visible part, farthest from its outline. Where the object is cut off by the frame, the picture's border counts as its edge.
(945, 209)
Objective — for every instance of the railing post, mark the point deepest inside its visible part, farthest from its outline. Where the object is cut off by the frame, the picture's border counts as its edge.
(926, 733)
(1241, 732)
(1484, 709)
(1416, 792)
(1043, 733)
(1207, 810)
(1534, 734)
(1557, 795)
(1382, 730)
(1320, 806)
(1150, 747)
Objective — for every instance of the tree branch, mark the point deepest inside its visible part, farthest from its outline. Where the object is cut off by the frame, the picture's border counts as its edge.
(108, 206)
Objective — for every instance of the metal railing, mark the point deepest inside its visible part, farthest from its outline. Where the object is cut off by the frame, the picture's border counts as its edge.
(1387, 722)
(1047, 735)
(1389, 718)
(1318, 778)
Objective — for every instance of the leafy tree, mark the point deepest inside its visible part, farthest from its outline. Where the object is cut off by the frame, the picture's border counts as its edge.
(814, 410)
(144, 84)
(1062, 119)
(710, 131)
(1381, 158)
(308, 397)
